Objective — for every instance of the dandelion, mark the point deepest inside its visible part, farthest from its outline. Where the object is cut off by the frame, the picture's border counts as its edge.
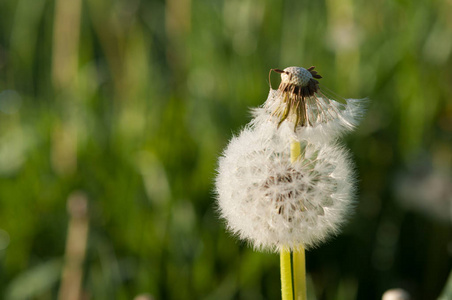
(274, 203)
(284, 184)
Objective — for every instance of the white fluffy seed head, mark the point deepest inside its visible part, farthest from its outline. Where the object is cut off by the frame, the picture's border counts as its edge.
(273, 203)
(296, 76)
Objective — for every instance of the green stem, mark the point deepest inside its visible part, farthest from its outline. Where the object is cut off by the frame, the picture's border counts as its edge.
(299, 273)
(299, 264)
(286, 275)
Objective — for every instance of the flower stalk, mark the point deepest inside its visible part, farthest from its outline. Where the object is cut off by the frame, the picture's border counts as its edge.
(297, 264)
(298, 255)
(299, 273)
(286, 275)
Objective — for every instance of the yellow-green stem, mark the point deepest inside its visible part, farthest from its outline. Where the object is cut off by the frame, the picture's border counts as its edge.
(286, 275)
(295, 151)
(299, 273)
(299, 265)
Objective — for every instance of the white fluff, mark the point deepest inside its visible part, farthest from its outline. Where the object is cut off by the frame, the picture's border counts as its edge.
(338, 118)
(273, 203)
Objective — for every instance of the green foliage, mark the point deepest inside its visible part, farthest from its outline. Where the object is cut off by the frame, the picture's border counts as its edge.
(136, 99)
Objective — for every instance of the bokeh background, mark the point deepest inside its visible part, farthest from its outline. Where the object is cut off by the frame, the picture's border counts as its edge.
(113, 115)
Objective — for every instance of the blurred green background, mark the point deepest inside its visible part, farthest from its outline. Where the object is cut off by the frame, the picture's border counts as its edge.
(128, 104)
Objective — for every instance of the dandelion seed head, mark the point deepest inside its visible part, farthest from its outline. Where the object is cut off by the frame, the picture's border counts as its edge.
(273, 203)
